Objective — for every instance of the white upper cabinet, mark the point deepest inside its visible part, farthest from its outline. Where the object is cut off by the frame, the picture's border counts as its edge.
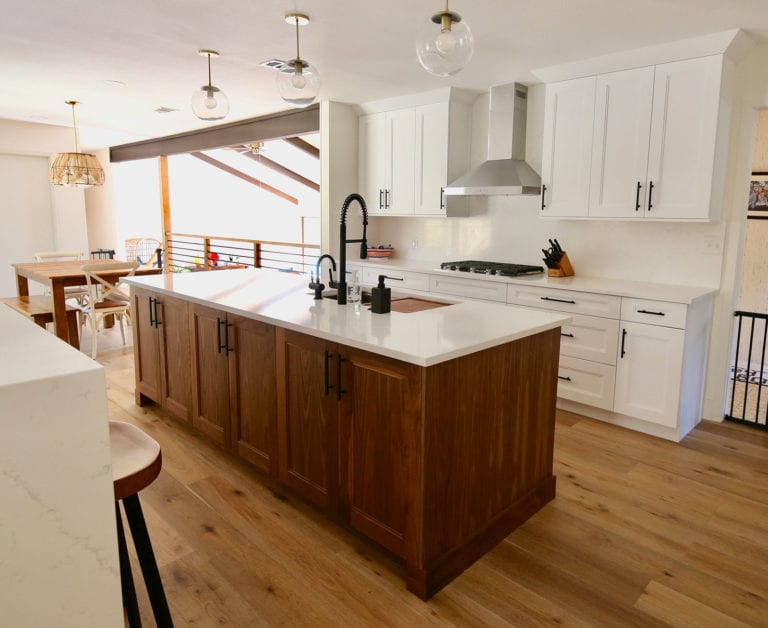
(655, 138)
(408, 155)
(686, 104)
(622, 127)
(568, 121)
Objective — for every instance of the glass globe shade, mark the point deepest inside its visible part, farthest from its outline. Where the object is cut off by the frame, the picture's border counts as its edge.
(444, 52)
(298, 89)
(210, 103)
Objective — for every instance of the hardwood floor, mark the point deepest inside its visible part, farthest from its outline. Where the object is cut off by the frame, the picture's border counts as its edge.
(643, 532)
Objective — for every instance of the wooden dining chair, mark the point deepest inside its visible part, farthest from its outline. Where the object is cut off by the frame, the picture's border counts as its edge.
(71, 292)
(105, 297)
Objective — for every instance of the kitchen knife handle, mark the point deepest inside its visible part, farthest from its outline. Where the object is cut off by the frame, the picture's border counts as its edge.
(543, 192)
(651, 312)
(637, 197)
(442, 198)
(327, 378)
(339, 390)
(151, 312)
(650, 195)
(558, 300)
(564, 378)
(623, 338)
(562, 333)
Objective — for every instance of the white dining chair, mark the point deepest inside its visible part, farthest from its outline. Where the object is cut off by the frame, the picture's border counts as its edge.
(72, 292)
(105, 297)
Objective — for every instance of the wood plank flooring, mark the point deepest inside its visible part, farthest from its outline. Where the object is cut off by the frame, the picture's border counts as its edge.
(643, 532)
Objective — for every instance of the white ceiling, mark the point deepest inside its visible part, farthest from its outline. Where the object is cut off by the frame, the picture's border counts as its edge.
(364, 50)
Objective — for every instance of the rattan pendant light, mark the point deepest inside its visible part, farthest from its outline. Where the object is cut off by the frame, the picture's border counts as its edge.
(77, 169)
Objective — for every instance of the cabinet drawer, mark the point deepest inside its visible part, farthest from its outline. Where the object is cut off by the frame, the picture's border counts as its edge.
(488, 290)
(586, 382)
(591, 338)
(410, 281)
(565, 300)
(654, 312)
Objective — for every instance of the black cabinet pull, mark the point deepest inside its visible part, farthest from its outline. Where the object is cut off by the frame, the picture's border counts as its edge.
(543, 192)
(151, 312)
(564, 378)
(562, 333)
(226, 337)
(157, 318)
(637, 197)
(623, 338)
(650, 194)
(442, 198)
(218, 334)
(558, 300)
(339, 389)
(650, 312)
(381, 201)
(386, 199)
(327, 378)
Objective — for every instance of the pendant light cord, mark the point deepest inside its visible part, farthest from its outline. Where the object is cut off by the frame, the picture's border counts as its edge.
(298, 56)
(74, 127)
(209, 69)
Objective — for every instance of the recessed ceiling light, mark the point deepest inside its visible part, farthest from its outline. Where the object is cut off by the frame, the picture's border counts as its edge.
(114, 83)
(165, 110)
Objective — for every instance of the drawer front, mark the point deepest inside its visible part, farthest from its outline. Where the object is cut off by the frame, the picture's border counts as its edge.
(570, 301)
(591, 338)
(654, 312)
(488, 290)
(586, 382)
(397, 278)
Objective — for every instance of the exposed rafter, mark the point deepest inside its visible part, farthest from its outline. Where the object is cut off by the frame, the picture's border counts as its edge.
(266, 161)
(303, 145)
(245, 177)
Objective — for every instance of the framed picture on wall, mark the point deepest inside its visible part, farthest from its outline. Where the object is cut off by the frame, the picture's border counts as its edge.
(758, 196)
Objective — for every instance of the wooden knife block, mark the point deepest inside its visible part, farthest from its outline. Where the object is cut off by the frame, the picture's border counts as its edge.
(564, 268)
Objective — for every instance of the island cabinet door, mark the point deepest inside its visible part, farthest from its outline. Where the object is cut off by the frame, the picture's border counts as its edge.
(253, 391)
(380, 426)
(211, 377)
(171, 318)
(146, 343)
(307, 417)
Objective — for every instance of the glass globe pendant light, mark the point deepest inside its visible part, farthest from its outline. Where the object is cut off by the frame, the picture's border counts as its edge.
(298, 82)
(445, 50)
(81, 170)
(209, 102)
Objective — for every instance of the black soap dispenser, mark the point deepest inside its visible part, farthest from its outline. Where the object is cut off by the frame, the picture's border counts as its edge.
(381, 297)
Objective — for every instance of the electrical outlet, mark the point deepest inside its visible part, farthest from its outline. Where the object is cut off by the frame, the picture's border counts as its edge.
(713, 245)
(414, 244)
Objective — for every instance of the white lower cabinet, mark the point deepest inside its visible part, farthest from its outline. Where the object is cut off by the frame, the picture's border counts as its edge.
(587, 382)
(590, 338)
(648, 372)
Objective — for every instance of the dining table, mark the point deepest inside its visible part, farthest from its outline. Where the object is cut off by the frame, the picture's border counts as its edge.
(60, 275)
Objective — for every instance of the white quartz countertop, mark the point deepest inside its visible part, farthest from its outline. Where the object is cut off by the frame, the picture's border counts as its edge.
(423, 338)
(618, 287)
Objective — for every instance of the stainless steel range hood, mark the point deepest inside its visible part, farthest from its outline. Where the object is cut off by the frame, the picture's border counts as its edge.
(505, 172)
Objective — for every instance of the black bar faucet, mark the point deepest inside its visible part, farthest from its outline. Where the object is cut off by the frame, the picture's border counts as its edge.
(316, 279)
(342, 283)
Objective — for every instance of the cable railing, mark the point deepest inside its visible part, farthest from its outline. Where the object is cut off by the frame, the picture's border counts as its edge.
(748, 401)
(194, 252)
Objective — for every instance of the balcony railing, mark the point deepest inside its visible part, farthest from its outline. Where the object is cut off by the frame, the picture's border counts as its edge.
(748, 401)
(193, 252)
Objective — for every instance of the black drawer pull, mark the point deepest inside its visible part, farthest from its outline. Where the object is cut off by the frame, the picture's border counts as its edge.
(339, 390)
(157, 318)
(381, 200)
(218, 334)
(562, 333)
(442, 198)
(226, 337)
(650, 194)
(558, 300)
(623, 338)
(543, 192)
(151, 312)
(637, 197)
(650, 312)
(564, 378)
(328, 384)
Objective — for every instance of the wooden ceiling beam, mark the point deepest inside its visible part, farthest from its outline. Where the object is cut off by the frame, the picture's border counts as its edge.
(266, 161)
(241, 175)
(303, 145)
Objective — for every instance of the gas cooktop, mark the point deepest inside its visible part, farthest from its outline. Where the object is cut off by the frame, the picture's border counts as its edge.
(492, 268)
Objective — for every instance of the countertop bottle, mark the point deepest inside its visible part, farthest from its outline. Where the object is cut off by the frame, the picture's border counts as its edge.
(381, 297)
(353, 289)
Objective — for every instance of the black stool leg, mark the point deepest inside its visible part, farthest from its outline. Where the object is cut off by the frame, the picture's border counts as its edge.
(147, 561)
(126, 579)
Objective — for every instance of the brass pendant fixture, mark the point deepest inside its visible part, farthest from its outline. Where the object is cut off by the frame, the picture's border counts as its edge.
(298, 82)
(77, 169)
(209, 103)
(445, 50)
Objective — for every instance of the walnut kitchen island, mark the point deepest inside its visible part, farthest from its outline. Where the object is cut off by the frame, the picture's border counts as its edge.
(429, 432)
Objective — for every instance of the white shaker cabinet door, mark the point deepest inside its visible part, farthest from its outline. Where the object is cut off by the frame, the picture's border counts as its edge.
(431, 158)
(568, 123)
(371, 165)
(620, 143)
(399, 159)
(686, 102)
(648, 372)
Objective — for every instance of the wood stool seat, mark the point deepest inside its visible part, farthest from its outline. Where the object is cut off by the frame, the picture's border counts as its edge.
(136, 462)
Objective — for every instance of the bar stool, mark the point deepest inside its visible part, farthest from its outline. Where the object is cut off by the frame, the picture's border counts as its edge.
(136, 462)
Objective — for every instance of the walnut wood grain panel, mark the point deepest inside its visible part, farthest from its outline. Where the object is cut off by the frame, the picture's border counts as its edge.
(253, 392)
(308, 418)
(380, 425)
(211, 380)
(175, 356)
(146, 349)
